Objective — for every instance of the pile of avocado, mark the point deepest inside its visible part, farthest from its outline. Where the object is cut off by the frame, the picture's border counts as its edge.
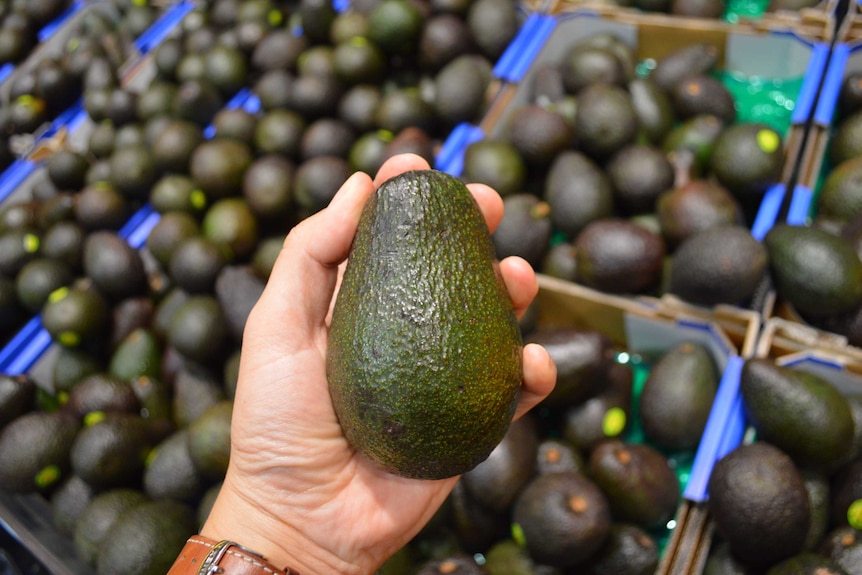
(97, 42)
(125, 421)
(588, 482)
(789, 502)
(631, 178)
(825, 290)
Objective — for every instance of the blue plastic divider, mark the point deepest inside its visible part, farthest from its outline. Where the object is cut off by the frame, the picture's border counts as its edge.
(828, 98)
(800, 206)
(51, 27)
(450, 158)
(807, 97)
(767, 213)
(524, 47)
(14, 175)
(725, 415)
(154, 35)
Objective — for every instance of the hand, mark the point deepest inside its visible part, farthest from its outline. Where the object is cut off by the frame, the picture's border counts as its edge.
(295, 491)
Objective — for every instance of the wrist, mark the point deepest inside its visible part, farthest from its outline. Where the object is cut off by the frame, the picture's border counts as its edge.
(281, 541)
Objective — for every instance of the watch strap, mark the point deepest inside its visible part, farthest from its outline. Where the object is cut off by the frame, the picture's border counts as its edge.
(204, 556)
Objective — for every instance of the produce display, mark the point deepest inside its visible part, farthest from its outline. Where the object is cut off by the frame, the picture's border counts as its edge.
(635, 175)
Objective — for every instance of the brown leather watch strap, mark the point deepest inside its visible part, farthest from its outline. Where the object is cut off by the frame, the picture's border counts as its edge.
(204, 556)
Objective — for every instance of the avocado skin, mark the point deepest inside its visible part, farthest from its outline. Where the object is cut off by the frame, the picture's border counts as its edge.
(797, 412)
(424, 362)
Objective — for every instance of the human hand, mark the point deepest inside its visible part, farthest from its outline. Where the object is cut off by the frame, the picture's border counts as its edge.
(295, 490)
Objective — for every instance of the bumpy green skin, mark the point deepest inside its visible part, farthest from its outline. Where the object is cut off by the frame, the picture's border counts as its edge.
(424, 360)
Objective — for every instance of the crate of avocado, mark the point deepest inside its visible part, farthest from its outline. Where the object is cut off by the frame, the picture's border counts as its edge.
(800, 401)
(826, 212)
(640, 158)
(591, 480)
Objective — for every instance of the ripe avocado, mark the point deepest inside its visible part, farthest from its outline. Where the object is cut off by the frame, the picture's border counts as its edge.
(556, 455)
(846, 142)
(101, 392)
(653, 108)
(578, 191)
(395, 26)
(818, 273)
(841, 194)
(618, 256)
(17, 393)
(138, 354)
(170, 472)
(75, 316)
(798, 412)
(198, 329)
(605, 120)
(639, 174)
(460, 89)
(195, 391)
(604, 415)
(539, 134)
(195, 264)
(564, 517)
(114, 266)
(638, 481)
(209, 440)
(697, 58)
(677, 397)
(146, 539)
(525, 229)
(723, 264)
(703, 95)
(585, 64)
(496, 481)
(34, 450)
(493, 24)
(469, 315)
(98, 517)
(38, 278)
(747, 158)
(758, 501)
(694, 207)
(628, 550)
(68, 501)
(218, 166)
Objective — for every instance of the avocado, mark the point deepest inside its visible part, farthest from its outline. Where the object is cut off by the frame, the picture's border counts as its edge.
(653, 108)
(172, 229)
(677, 397)
(173, 148)
(410, 140)
(195, 263)
(68, 501)
(605, 120)
(326, 137)
(146, 539)
(496, 482)
(101, 206)
(17, 393)
(702, 95)
(156, 100)
(798, 412)
(468, 525)
(445, 36)
(133, 171)
(507, 557)
(539, 134)
(403, 107)
(759, 504)
(564, 518)
(460, 89)
(817, 486)
(368, 152)
(696, 136)
(38, 278)
(34, 450)
(560, 262)
(628, 550)
(695, 58)
(474, 397)
(639, 174)
(555, 455)
(278, 50)
(578, 191)
(395, 26)
(358, 106)
(841, 194)
(209, 440)
(218, 166)
(747, 158)
(723, 264)
(235, 123)
(280, 131)
(137, 355)
(66, 169)
(198, 329)
(585, 64)
(806, 564)
(170, 472)
(316, 96)
(582, 358)
(195, 390)
(226, 69)
(638, 481)
(111, 448)
(317, 180)
(101, 392)
(493, 24)
(846, 141)
(98, 518)
(114, 267)
(605, 415)
(721, 561)
(237, 289)
(818, 273)
(273, 89)
(525, 229)
(617, 256)
(75, 316)
(696, 206)
(17, 248)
